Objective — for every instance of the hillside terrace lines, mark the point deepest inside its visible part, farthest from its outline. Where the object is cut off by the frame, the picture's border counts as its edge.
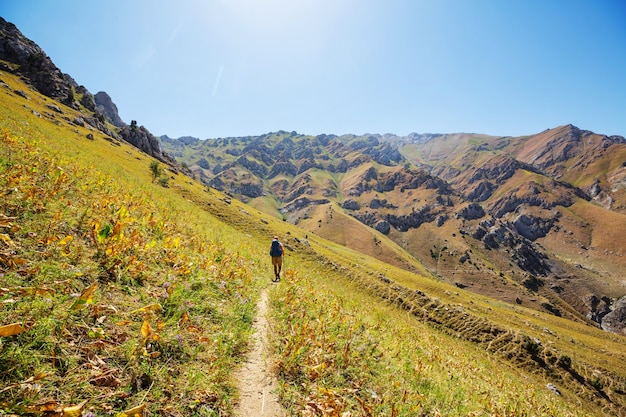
(604, 387)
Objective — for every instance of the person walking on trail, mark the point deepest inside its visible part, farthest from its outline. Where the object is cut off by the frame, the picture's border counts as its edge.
(277, 252)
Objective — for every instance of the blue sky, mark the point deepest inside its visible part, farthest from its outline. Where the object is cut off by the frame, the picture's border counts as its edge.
(218, 68)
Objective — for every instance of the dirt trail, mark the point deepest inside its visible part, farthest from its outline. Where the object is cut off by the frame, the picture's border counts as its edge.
(256, 383)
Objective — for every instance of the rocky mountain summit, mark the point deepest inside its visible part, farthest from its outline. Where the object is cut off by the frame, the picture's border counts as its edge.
(520, 219)
(20, 55)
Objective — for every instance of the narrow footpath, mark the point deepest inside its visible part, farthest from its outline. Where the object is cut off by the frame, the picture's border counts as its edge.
(257, 386)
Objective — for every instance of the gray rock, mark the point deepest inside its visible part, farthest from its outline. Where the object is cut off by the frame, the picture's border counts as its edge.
(33, 63)
(471, 212)
(351, 205)
(615, 321)
(383, 227)
(54, 108)
(531, 227)
(87, 99)
(108, 109)
(553, 388)
(441, 220)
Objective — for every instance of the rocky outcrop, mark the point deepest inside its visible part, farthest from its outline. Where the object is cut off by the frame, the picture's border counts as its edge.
(303, 188)
(351, 205)
(471, 212)
(32, 63)
(615, 321)
(301, 203)
(247, 189)
(142, 139)
(253, 166)
(108, 109)
(217, 183)
(404, 179)
(383, 227)
(496, 234)
(531, 193)
(284, 166)
(86, 98)
(481, 191)
(402, 223)
(376, 204)
(498, 170)
(203, 163)
(532, 227)
(385, 155)
(598, 307)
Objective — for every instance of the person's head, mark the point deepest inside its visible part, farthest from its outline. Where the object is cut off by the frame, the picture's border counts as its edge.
(275, 237)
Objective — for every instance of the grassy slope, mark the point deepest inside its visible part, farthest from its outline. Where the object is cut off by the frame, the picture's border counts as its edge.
(350, 334)
(80, 213)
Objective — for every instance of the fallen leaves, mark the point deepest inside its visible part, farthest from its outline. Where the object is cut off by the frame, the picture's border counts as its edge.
(86, 297)
(74, 411)
(149, 308)
(133, 412)
(12, 329)
(30, 380)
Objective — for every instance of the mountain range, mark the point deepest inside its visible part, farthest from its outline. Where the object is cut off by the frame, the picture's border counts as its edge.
(536, 220)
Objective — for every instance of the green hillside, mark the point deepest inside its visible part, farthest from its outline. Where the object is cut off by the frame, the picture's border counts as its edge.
(126, 294)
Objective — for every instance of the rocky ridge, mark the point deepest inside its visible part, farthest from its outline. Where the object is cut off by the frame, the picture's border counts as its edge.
(494, 207)
(22, 56)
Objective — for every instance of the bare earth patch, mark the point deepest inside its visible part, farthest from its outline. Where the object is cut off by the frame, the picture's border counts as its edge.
(257, 385)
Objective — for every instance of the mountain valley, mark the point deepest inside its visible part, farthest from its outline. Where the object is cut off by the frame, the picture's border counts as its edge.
(425, 275)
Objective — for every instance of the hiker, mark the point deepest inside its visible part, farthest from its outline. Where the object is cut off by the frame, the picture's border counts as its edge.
(276, 252)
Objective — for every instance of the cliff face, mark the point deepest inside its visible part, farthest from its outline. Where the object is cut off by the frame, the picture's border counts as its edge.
(22, 56)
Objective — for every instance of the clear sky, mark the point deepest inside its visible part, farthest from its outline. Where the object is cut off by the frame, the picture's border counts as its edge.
(217, 68)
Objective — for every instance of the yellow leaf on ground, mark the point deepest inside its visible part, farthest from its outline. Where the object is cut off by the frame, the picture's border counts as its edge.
(146, 330)
(5, 238)
(86, 297)
(17, 261)
(50, 406)
(133, 412)
(66, 240)
(74, 411)
(12, 329)
(151, 307)
(34, 291)
(184, 319)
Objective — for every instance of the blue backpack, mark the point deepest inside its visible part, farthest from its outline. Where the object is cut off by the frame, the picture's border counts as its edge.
(275, 250)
